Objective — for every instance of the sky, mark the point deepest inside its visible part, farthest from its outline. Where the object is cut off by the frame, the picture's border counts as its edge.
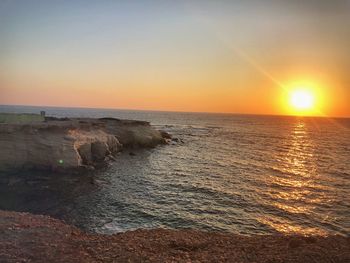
(207, 56)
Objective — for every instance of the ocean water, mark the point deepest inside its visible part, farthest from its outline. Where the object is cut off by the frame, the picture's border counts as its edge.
(235, 173)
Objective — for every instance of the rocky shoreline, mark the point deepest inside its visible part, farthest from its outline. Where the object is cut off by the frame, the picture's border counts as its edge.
(84, 144)
(33, 238)
(71, 144)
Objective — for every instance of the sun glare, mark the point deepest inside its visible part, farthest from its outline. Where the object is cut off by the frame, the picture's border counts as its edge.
(302, 100)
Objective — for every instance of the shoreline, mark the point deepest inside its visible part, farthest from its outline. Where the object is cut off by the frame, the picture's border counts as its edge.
(31, 238)
(88, 143)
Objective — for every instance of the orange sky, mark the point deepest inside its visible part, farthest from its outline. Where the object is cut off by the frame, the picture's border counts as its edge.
(186, 56)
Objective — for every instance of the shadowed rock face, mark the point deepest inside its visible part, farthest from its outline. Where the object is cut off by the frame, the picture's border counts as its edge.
(70, 143)
(133, 134)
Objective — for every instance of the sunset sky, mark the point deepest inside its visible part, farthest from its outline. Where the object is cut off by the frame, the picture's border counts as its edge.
(212, 56)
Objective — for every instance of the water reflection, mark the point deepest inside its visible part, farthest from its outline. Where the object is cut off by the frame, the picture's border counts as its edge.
(293, 183)
(291, 175)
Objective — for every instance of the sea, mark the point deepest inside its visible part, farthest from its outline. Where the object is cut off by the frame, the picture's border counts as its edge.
(243, 174)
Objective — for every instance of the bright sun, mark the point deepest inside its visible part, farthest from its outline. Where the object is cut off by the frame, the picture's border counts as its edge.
(302, 99)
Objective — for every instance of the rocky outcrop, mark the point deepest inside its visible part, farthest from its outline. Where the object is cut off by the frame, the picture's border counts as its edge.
(54, 146)
(134, 134)
(60, 144)
(93, 146)
(31, 238)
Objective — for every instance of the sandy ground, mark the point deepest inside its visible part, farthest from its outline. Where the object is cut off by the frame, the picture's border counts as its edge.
(31, 238)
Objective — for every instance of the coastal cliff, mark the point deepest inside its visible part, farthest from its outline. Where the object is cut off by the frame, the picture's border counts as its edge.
(61, 144)
(32, 238)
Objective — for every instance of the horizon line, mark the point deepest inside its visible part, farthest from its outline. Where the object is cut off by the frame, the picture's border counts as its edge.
(180, 111)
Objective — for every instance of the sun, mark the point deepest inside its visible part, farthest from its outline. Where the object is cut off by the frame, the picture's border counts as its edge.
(302, 99)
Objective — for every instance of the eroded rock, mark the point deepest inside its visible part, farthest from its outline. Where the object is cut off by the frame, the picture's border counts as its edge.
(58, 144)
(133, 134)
(53, 147)
(99, 150)
(85, 153)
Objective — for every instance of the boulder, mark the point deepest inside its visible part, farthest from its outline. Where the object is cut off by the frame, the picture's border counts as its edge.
(99, 150)
(85, 153)
(165, 135)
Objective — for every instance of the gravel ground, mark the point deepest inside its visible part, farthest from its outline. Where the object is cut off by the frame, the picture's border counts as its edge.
(31, 238)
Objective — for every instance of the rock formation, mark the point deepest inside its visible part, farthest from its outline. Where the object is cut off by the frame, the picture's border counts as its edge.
(60, 144)
(133, 134)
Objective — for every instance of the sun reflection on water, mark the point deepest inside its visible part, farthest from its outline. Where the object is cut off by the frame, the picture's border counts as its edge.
(292, 183)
